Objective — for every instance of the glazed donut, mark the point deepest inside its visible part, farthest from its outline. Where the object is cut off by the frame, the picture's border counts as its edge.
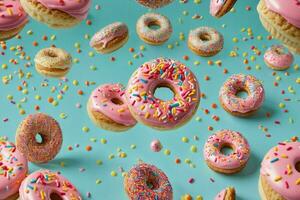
(151, 36)
(45, 184)
(154, 112)
(154, 3)
(110, 38)
(107, 108)
(205, 41)
(13, 169)
(277, 58)
(241, 106)
(13, 19)
(219, 8)
(49, 131)
(53, 62)
(146, 181)
(226, 194)
(279, 173)
(227, 164)
(57, 14)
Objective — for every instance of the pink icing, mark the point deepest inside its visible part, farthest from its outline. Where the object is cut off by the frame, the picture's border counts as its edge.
(216, 6)
(289, 9)
(76, 8)
(13, 169)
(109, 33)
(277, 56)
(221, 195)
(278, 168)
(12, 15)
(214, 144)
(156, 112)
(237, 83)
(44, 183)
(101, 99)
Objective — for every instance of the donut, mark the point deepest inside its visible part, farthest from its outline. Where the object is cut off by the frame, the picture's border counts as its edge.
(147, 182)
(226, 194)
(151, 36)
(157, 113)
(13, 19)
(205, 41)
(278, 58)
(282, 19)
(280, 172)
(53, 62)
(241, 106)
(226, 164)
(154, 3)
(45, 184)
(108, 109)
(219, 8)
(110, 38)
(57, 14)
(49, 131)
(13, 169)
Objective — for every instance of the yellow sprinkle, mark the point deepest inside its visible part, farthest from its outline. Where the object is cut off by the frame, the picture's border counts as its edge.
(147, 115)
(298, 181)
(277, 178)
(121, 110)
(284, 156)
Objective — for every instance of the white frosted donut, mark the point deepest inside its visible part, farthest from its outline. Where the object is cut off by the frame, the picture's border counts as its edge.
(151, 36)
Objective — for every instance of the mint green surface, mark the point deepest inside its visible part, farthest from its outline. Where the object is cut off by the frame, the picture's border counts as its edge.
(128, 11)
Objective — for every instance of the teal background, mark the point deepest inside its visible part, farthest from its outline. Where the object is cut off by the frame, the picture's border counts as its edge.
(129, 11)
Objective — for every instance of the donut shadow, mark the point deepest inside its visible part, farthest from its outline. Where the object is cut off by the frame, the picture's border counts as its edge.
(252, 166)
(261, 113)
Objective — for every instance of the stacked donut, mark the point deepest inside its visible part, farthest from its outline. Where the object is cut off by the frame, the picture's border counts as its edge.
(112, 107)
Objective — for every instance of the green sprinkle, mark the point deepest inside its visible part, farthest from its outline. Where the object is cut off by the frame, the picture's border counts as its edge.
(185, 139)
(85, 129)
(167, 152)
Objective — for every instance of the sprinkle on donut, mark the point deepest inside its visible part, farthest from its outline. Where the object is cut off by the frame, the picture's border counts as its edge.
(45, 184)
(13, 169)
(241, 106)
(154, 112)
(146, 181)
(280, 170)
(220, 162)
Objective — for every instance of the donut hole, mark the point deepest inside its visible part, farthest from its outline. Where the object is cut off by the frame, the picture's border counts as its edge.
(39, 138)
(164, 92)
(204, 37)
(52, 54)
(117, 101)
(154, 25)
(297, 166)
(152, 183)
(55, 196)
(243, 94)
(226, 149)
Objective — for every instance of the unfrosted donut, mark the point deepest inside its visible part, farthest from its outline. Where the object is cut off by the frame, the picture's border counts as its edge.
(205, 41)
(46, 185)
(241, 106)
(151, 36)
(277, 57)
(50, 133)
(13, 169)
(220, 162)
(147, 182)
(108, 109)
(280, 172)
(154, 112)
(154, 3)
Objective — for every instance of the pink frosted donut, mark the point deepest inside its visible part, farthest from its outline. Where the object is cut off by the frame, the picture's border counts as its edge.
(13, 169)
(44, 184)
(12, 18)
(280, 172)
(226, 194)
(241, 106)
(277, 57)
(220, 162)
(154, 112)
(107, 108)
